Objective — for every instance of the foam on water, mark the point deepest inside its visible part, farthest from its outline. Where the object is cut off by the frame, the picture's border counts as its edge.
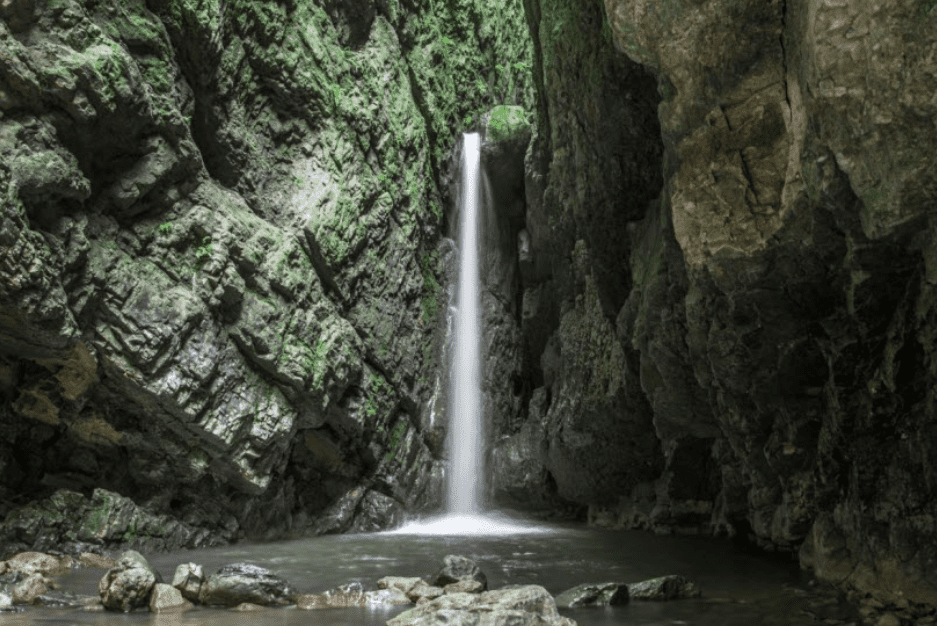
(489, 524)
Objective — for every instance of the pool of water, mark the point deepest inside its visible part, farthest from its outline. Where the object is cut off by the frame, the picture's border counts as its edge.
(739, 587)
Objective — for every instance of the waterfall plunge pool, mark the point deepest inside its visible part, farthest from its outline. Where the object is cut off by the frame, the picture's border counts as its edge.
(739, 588)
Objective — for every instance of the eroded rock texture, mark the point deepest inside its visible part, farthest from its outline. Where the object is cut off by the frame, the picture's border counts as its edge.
(219, 260)
(743, 345)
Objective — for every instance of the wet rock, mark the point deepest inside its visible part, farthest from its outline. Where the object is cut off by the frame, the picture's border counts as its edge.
(30, 589)
(386, 597)
(351, 594)
(526, 605)
(595, 594)
(663, 588)
(423, 590)
(188, 579)
(37, 562)
(456, 568)
(247, 607)
(128, 586)
(90, 559)
(242, 582)
(165, 598)
(466, 585)
(398, 582)
(6, 601)
(888, 619)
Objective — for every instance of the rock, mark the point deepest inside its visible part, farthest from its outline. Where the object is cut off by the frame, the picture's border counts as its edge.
(242, 582)
(6, 601)
(663, 588)
(248, 606)
(386, 597)
(423, 590)
(888, 619)
(3, 568)
(29, 590)
(398, 582)
(595, 594)
(128, 586)
(90, 559)
(165, 598)
(526, 605)
(32, 562)
(466, 585)
(456, 568)
(352, 594)
(188, 579)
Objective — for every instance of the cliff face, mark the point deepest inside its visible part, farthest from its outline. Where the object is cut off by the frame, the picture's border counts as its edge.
(221, 258)
(746, 344)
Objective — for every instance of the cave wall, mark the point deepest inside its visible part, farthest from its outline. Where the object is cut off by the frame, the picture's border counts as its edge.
(728, 270)
(221, 269)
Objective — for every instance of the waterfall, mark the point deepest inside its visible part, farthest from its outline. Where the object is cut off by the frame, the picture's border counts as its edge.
(465, 437)
(465, 514)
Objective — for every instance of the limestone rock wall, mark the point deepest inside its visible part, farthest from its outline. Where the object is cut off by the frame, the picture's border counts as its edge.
(221, 259)
(765, 309)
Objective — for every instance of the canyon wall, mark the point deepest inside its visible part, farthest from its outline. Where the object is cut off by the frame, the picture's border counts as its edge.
(728, 278)
(222, 263)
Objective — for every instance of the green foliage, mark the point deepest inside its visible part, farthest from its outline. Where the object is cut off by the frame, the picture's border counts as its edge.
(203, 252)
(928, 7)
(468, 120)
(165, 228)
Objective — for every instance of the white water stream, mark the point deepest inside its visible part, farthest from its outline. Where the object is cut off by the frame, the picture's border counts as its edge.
(465, 437)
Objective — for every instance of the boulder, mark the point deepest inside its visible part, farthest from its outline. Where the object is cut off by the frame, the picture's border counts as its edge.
(423, 590)
(128, 586)
(593, 594)
(3, 568)
(165, 598)
(38, 562)
(188, 579)
(386, 597)
(402, 583)
(352, 594)
(247, 606)
(663, 588)
(466, 585)
(242, 582)
(523, 605)
(456, 568)
(30, 589)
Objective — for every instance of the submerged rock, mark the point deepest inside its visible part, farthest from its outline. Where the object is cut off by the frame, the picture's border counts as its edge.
(242, 582)
(526, 605)
(664, 588)
(456, 568)
(165, 598)
(128, 586)
(594, 594)
(90, 559)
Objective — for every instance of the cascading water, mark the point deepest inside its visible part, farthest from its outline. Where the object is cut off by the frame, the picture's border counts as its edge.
(465, 441)
(465, 514)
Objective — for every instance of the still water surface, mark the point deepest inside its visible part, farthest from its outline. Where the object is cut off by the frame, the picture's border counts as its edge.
(739, 588)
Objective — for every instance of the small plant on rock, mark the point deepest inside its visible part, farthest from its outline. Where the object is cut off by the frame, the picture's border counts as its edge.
(203, 251)
(165, 229)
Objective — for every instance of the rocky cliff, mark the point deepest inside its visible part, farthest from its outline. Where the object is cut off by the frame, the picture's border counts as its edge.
(728, 278)
(222, 260)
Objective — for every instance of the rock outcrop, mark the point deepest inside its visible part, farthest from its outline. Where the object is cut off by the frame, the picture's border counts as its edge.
(222, 261)
(728, 278)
